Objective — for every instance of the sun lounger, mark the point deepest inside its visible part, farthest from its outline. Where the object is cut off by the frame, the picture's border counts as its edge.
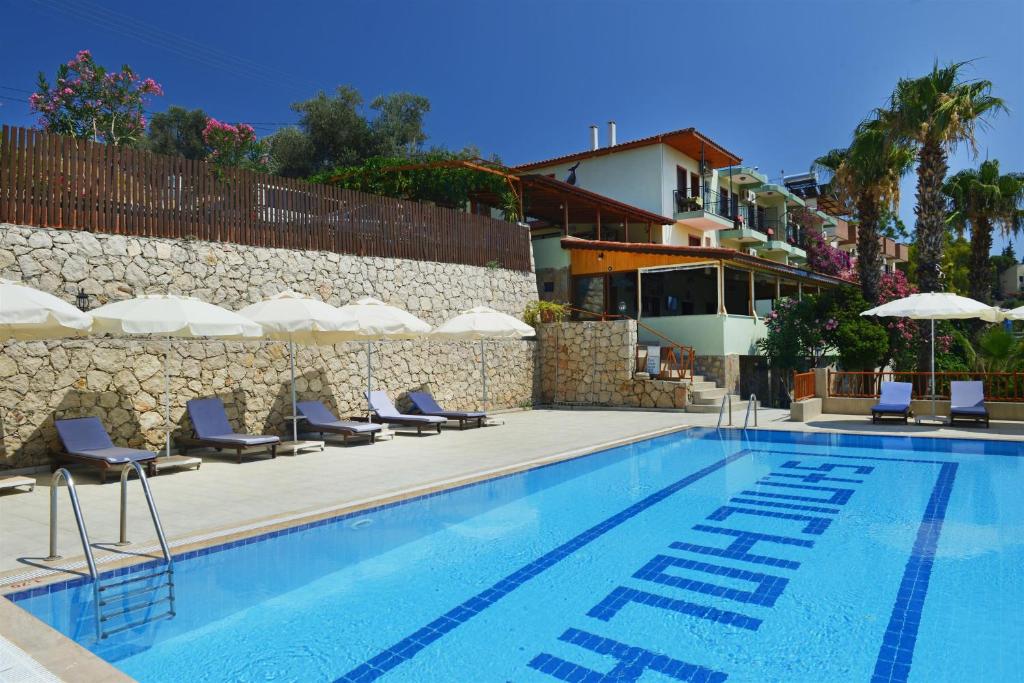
(894, 401)
(425, 404)
(85, 441)
(320, 419)
(385, 411)
(967, 402)
(211, 429)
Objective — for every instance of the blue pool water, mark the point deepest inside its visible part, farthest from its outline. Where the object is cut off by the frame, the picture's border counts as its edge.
(700, 556)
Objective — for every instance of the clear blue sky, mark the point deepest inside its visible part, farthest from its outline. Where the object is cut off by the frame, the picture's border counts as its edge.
(778, 82)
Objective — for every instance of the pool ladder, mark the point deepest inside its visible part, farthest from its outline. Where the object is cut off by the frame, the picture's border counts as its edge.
(110, 604)
(727, 400)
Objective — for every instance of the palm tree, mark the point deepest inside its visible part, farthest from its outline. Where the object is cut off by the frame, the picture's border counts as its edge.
(934, 114)
(983, 200)
(866, 177)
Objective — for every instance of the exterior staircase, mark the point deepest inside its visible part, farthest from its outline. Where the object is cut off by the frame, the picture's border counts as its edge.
(706, 397)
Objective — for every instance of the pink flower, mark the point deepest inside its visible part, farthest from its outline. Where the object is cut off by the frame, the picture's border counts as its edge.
(67, 91)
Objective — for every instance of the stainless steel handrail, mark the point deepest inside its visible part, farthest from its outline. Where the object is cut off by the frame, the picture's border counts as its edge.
(751, 401)
(83, 534)
(62, 473)
(137, 468)
(727, 397)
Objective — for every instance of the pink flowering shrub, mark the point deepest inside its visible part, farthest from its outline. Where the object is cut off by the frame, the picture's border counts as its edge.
(234, 145)
(824, 258)
(88, 101)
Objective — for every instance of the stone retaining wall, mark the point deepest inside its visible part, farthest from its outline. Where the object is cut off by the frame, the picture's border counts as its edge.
(593, 363)
(121, 380)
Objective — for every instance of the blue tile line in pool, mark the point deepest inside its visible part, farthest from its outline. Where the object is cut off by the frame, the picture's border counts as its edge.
(895, 656)
(410, 646)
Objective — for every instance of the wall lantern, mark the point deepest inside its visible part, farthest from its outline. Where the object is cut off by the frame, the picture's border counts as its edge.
(82, 300)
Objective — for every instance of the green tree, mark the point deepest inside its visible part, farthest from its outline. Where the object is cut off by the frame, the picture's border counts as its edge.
(934, 114)
(983, 200)
(335, 132)
(178, 132)
(86, 100)
(862, 344)
(866, 175)
(397, 130)
(292, 152)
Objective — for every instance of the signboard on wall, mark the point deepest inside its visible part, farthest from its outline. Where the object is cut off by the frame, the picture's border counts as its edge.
(653, 360)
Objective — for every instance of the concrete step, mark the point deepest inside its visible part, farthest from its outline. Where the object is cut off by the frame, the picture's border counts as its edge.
(710, 395)
(739, 408)
(697, 386)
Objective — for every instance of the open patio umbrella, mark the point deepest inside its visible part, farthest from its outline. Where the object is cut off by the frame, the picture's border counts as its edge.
(294, 318)
(27, 313)
(1014, 313)
(377, 321)
(483, 323)
(936, 306)
(168, 315)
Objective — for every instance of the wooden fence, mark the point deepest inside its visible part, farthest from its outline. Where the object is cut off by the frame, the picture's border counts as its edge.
(58, 182)
(998, 386)
(803, 385)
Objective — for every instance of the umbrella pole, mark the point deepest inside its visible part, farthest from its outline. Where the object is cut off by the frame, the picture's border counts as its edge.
(167, 399)
(934, 412)
(295, 415)
(483, 371)
(369, 380)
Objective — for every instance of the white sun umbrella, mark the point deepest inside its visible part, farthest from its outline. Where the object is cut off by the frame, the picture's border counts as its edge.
(480, 324)
(28, 313)
(378, 321)
(1014, 314)
(936, 306)
(294, 318)
(168, 315)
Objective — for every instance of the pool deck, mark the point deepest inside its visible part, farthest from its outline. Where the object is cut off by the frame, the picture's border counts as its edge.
(223, 500)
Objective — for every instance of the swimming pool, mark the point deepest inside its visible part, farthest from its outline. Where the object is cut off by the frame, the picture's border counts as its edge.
(697, 556)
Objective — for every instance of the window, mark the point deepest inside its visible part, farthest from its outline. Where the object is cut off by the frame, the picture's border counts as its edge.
(681, 179)
(694, 241)
(549, 286)
(694, 185)
(614, 294)
(693, 291)
(737, 291)
(764, 294)
(588, 293)
(723, 202)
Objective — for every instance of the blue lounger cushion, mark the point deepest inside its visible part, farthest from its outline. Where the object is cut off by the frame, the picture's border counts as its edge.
(210, 423)
(971, 410)
(889, 408)
(386, 410)
(86, 437)
(894, 398)
(967, 397)
(318, 415)
(426, 404)
(967, 400)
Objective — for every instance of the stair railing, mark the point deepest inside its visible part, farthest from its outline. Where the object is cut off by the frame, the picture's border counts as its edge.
(752, 401)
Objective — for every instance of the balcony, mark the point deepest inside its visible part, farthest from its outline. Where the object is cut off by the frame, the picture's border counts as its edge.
(709, 212)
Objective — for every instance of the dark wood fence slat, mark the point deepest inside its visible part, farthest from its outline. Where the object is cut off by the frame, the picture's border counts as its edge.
(61, 182)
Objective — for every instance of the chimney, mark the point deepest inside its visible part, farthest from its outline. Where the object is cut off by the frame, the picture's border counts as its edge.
(593, 138)
(611, 133)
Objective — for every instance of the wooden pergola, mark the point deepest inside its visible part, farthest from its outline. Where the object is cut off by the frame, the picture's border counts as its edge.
(552, 202)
